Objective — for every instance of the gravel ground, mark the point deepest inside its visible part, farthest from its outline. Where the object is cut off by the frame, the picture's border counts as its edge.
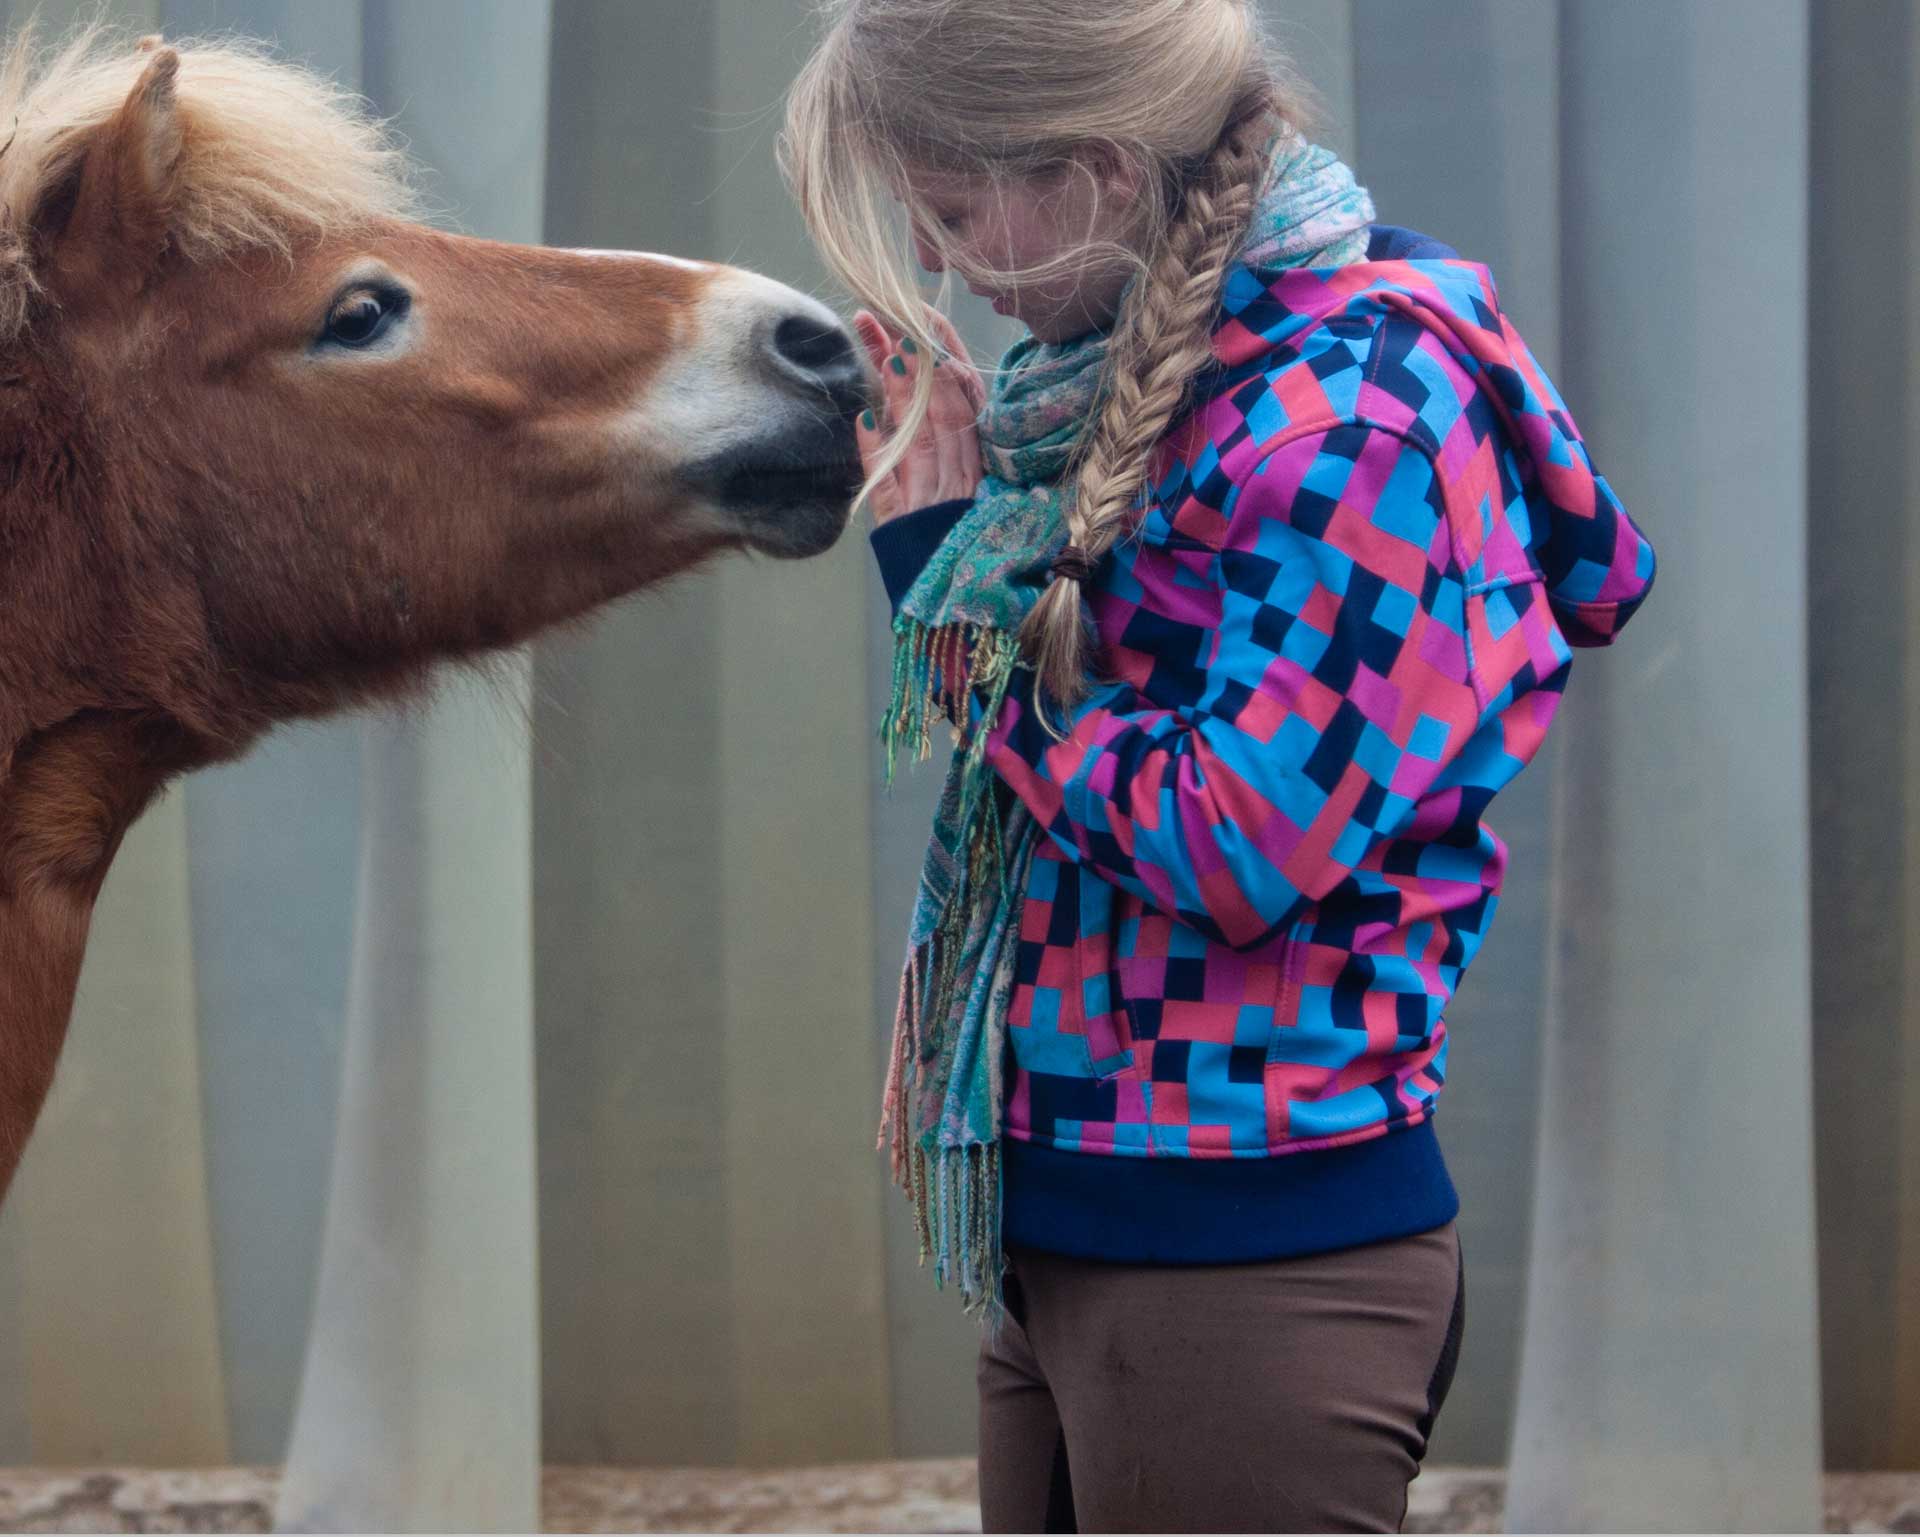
(929, 1496)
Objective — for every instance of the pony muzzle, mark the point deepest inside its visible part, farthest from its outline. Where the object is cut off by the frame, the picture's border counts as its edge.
(786, 469)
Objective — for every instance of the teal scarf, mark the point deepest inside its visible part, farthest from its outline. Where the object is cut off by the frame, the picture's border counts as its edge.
(958, 627)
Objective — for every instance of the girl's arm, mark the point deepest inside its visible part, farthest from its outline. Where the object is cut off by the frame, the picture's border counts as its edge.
(903, 545)
(916, 505)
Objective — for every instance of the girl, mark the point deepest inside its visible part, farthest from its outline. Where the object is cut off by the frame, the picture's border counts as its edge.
(1247, 585)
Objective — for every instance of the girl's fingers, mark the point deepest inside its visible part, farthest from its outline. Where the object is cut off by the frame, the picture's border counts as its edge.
(943, 461)
(951, 420)
(869, 439)
(918, 473)
(948, 465)
(896, 382)
(934, 469)
(970, 469)
(902, 488)
(962, 363)
(949, 338)
(873, 336)
(885, 500)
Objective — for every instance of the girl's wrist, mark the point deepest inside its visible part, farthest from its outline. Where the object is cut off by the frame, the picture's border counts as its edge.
(904, 544)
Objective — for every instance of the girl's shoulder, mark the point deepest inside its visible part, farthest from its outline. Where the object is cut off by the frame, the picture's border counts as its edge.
(1393, 243)
(1345, 357)
(1406, 342)
(1302, 349)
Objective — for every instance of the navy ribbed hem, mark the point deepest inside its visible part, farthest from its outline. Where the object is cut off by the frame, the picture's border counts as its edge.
(905, 544)
(1391, 243)
(1216, 1211)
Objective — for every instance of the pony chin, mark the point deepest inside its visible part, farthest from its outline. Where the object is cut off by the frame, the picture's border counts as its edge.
(795, 532)
(784, 505)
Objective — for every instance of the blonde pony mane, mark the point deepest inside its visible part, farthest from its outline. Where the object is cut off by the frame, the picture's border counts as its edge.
(272, 151)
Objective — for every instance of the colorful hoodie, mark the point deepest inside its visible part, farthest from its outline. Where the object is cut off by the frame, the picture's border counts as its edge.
(1345, 626)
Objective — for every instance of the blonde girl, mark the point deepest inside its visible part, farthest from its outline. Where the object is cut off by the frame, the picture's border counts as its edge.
(1247, 579)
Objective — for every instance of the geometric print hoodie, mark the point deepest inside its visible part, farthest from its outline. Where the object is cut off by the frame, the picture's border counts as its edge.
(1343, 628)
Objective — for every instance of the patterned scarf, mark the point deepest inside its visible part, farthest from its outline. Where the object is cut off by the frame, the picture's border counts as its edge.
(956, 635)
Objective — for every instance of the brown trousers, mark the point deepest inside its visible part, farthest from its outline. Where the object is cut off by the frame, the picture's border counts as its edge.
(1290, 1395)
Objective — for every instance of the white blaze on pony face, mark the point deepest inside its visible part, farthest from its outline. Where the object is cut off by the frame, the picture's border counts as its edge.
(684, 264)
(754, 412)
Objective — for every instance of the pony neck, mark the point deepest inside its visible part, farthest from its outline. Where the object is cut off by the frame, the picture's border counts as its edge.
(69, 797)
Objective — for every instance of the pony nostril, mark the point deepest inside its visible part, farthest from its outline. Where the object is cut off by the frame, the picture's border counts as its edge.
(819, 353)
(814, 346)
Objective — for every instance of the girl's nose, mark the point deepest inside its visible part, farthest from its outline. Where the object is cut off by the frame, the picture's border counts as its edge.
(926, 255)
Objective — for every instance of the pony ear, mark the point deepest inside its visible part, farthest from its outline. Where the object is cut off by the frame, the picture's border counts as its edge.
(103, 223)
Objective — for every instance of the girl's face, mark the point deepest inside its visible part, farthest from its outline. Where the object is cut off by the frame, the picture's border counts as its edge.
(991, 226)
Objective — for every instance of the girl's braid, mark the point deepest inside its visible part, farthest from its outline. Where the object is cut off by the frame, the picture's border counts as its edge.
(1162, 338)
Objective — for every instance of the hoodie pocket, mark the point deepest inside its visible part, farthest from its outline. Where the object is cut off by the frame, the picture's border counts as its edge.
(1293, 971)
(1067, 1019)
(1109, 1038)
(1103, 1001)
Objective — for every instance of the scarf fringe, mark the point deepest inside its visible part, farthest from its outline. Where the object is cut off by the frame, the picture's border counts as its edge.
(953, 1187)
(935, 669)
(955, 1195)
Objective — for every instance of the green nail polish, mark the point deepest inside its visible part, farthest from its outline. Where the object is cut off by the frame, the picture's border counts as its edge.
(867, 421)
(899, 365)
(907, 346)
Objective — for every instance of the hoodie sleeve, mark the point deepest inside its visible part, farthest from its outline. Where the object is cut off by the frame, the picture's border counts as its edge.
(903, 545)
(1333, 689)
(1598, 565)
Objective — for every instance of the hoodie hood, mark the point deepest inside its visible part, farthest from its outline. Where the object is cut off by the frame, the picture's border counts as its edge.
(1597, 566)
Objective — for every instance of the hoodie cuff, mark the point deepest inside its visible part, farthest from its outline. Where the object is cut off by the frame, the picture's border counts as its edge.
(905, 544)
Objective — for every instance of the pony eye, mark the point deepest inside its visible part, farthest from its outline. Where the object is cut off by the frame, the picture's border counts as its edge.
(362, 317)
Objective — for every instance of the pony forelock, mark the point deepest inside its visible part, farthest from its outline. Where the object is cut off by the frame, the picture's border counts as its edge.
(272, 151)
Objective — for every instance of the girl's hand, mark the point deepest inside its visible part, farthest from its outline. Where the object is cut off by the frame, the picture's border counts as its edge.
(943, 462)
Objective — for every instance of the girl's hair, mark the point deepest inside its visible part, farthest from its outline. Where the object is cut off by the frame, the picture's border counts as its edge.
(1185, 96)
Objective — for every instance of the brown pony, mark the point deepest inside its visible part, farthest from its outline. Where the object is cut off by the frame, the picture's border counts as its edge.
(271, 447)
